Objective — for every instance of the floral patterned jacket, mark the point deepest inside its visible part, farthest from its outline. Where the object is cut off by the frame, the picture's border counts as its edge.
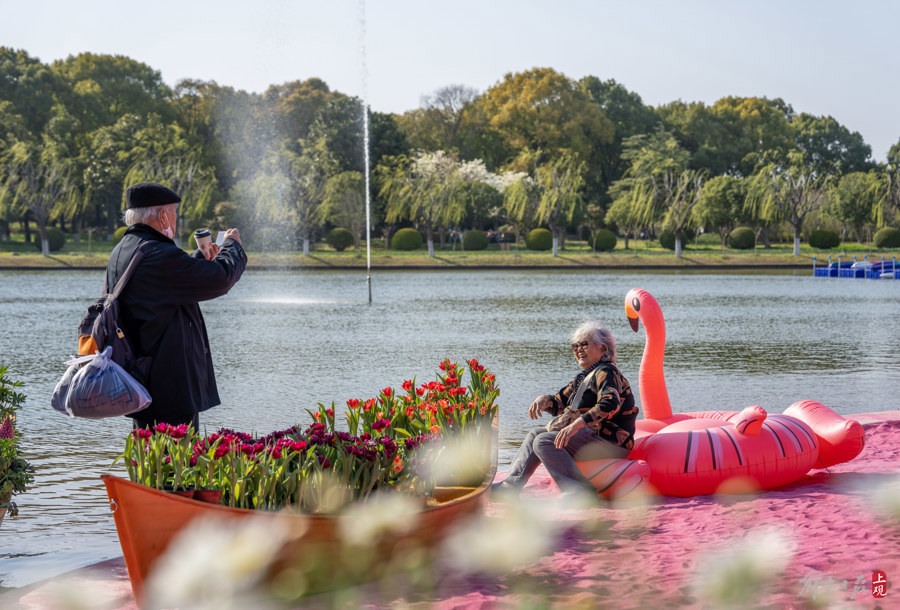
(606, 406)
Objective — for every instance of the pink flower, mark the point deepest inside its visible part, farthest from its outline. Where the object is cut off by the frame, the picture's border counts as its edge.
(179, 431)
(380, 424)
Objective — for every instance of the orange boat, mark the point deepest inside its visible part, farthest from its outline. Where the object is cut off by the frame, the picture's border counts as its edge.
(147, 520)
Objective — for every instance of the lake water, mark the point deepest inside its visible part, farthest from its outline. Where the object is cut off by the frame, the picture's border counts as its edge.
(285, 341)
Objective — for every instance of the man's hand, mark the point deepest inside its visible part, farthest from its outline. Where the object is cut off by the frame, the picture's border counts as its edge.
(233, 234)
(540, 404)
(209, 251)
(562, 438)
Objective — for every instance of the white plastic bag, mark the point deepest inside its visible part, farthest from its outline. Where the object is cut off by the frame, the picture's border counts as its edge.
(61, 391)
(102, 388)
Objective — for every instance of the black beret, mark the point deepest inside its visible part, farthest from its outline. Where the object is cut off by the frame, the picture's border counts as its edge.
(148, 195)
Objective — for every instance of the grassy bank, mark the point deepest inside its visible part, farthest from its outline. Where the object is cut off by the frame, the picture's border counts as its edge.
(577, 254)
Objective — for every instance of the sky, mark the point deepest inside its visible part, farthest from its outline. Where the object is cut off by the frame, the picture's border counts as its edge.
(824, 57)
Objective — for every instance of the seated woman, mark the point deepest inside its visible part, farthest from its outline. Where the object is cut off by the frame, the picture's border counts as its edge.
(596, 420)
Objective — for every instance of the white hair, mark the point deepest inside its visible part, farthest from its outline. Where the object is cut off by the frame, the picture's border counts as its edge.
(145, 216)
(597, 333)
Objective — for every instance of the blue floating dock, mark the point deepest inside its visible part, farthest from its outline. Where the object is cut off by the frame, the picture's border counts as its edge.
(883, 269)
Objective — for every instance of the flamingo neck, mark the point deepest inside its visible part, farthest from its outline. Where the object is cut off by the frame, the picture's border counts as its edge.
(651, 379)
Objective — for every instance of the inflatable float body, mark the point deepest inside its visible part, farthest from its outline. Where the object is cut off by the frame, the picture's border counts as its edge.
(689, 454)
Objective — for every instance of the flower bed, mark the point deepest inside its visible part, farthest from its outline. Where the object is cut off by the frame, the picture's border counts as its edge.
(15, 471)
(406, 441)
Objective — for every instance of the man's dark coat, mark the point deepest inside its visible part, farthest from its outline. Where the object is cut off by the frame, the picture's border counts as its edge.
(159, 314)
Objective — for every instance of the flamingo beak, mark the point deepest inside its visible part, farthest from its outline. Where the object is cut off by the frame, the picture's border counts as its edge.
(634, 323)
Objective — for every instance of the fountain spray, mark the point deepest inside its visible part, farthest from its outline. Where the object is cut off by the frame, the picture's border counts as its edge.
(365, 97)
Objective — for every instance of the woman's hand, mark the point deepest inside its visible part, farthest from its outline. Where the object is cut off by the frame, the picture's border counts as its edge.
(537, 408)
(562, 438)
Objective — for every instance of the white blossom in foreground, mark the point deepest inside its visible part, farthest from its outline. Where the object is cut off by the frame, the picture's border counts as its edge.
(745, 568)
(216, 563)
(386, 514)
(497, 545)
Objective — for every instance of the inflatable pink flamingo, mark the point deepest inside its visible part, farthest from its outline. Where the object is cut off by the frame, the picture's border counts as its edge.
(706, 452)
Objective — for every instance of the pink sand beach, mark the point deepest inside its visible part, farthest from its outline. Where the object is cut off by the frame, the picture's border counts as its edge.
(819, 542)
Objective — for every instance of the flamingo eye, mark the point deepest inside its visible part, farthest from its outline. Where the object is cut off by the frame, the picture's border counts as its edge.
(636, 304)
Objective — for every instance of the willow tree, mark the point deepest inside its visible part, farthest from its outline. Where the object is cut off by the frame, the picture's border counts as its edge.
(721, 205)
(636, 196)
(40, 183)
(678, 193)
(421, 190)
(625, 213)
(287, 195)
(559, 183)
(856, 199)
(345, 203)
(890, 199)
(788, 193)
(521, 198)
(195, 184)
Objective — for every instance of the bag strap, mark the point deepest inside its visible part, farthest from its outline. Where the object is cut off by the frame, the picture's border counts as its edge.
(136, 258)
(581, 388)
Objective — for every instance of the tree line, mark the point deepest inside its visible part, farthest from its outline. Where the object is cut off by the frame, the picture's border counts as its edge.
(536, 149)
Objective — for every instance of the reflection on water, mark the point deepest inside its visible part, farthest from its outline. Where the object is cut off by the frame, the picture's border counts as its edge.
(285, 341)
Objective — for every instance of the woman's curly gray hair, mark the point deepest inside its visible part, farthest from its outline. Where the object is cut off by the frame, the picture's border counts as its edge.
(595, 332)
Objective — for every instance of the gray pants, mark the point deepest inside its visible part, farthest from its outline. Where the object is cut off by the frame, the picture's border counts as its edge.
(538, 448)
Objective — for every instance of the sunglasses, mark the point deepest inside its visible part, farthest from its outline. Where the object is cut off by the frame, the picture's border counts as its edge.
(581, 344)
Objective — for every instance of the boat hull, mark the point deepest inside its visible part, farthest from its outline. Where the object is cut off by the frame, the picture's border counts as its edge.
(148, 520)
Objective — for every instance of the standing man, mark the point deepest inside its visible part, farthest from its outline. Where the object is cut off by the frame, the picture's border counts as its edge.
(158, 309)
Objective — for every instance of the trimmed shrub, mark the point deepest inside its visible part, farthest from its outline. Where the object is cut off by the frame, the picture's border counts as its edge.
(406, 239)
(667, 239)
(118, 235)
(475, 240)
(887, 237)
(56, 239)
(539, 239)
(742, 238)
(604, 240)
(708, 239)
(339, 238)
(824, 239)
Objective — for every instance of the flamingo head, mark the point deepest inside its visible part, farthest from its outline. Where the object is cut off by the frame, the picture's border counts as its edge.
(641, 306)
(633, 307)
